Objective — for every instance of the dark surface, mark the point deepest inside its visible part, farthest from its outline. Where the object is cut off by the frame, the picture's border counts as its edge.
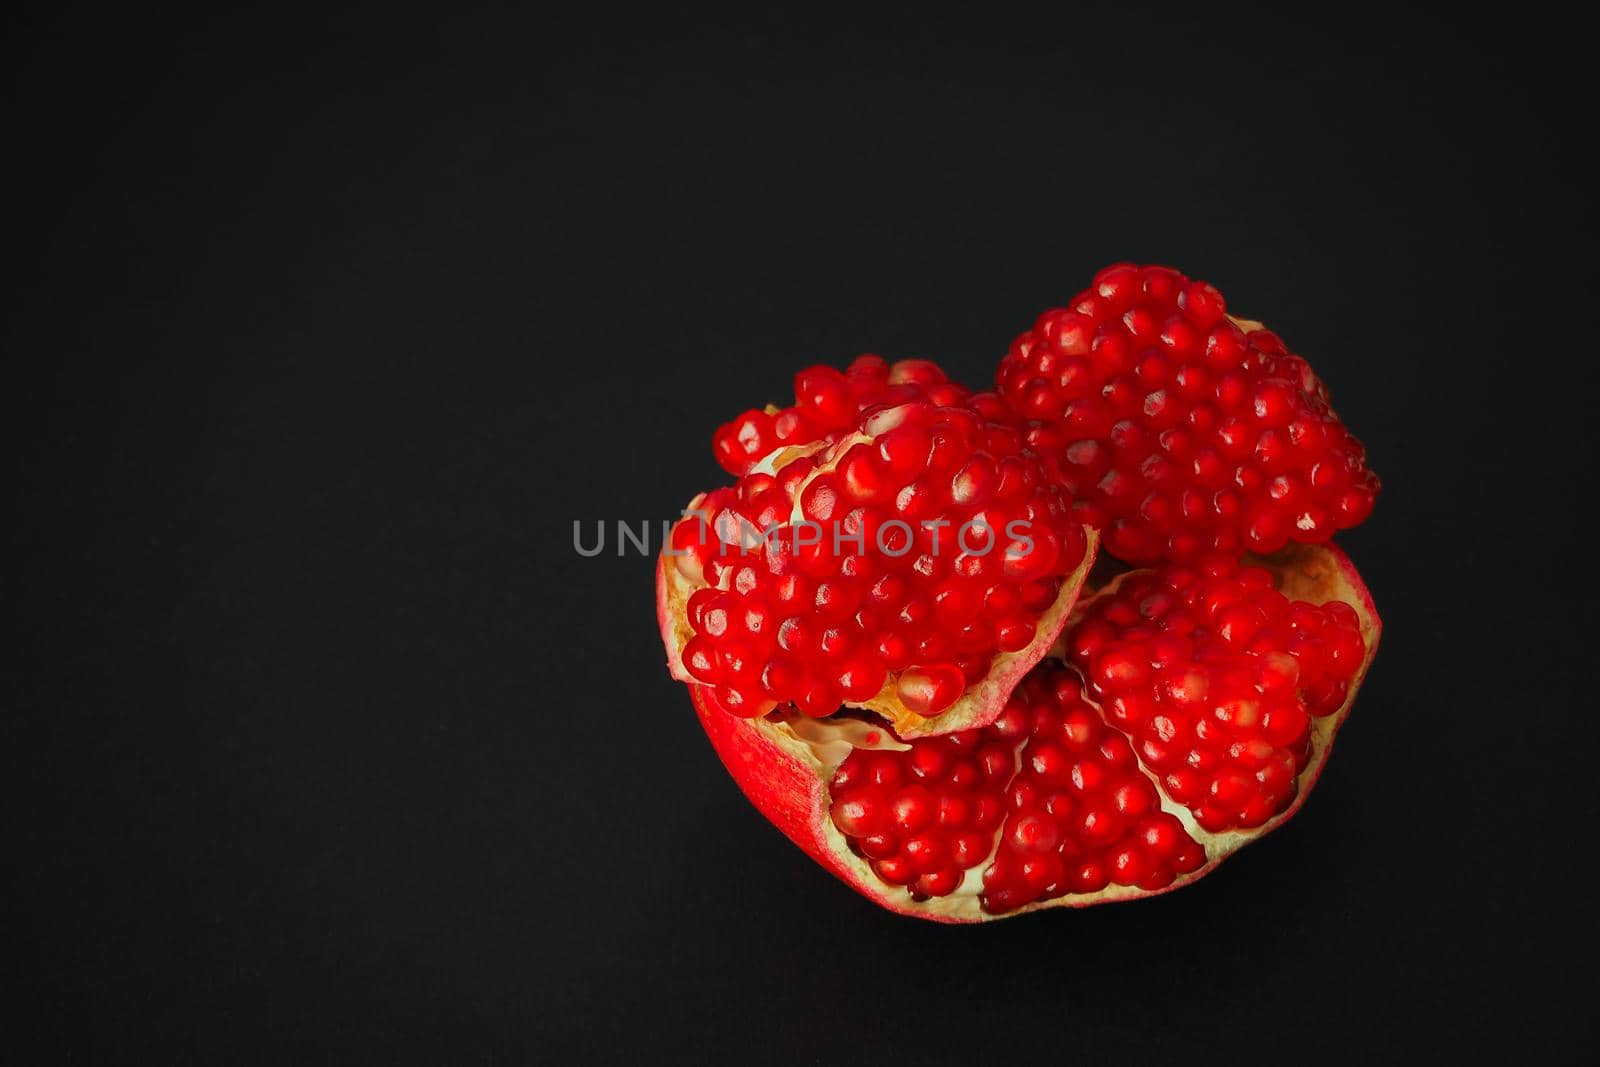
(321, 743)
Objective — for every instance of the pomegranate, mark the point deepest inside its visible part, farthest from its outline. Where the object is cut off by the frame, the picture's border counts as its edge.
(1062, 800)
(1180, 430)
(916, 565)
(955, 733)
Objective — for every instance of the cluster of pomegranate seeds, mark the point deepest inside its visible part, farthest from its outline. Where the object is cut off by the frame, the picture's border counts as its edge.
(1179, 431)
(828, 402)
(924, 817)
(918, 547)
(1048, 796)
(1215, 677)
(1083, 815)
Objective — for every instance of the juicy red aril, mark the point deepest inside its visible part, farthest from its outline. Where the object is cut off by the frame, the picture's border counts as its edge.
(824, 395)
(929, 690)
(1178, 431)
(1048, 800)
(740, 444)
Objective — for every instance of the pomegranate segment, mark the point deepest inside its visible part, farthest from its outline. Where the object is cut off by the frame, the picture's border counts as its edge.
(827, 403)
(916, 566)
(1216, 677)
(1083, 815)
(1179, 430)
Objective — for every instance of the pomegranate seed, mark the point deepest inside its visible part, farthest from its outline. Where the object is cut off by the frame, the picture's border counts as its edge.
(930, 690)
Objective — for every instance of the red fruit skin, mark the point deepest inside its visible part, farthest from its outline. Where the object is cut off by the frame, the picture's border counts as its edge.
(787, 781)
(788, 784)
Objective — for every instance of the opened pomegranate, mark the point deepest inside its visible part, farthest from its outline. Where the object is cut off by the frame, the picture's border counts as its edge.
(951, 730)
(915, 565)
(1180, 430)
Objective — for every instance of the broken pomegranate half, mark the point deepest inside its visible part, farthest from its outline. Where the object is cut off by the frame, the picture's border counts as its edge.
(881, 629)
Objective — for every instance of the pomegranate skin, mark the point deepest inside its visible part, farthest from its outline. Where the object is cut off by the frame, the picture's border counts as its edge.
(786, 776)
(788, 784)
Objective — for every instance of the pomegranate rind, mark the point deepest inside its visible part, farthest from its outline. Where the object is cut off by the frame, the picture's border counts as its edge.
(977, 707)
(786, 779)
(672, 599)
(786, 776)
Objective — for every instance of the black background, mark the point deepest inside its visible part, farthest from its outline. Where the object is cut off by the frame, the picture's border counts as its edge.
(320, 740)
